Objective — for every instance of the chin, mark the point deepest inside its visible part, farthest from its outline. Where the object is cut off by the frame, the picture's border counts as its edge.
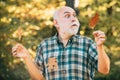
(73, 33)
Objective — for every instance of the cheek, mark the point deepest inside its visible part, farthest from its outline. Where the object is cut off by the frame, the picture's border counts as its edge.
(64, 22)
(63, 28)
(63, 25)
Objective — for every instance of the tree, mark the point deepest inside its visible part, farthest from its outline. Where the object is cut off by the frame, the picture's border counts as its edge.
(29, 19)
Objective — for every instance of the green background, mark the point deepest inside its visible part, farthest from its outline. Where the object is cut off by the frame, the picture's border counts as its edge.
(32, 20)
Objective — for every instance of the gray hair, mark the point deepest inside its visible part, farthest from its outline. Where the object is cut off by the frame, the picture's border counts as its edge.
(56, 14)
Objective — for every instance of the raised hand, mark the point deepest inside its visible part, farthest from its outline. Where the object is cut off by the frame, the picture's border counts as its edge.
(19, 51)
(99, 37)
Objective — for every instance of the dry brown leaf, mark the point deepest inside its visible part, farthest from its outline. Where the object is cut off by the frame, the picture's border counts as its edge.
(93, 21)
(52, 64)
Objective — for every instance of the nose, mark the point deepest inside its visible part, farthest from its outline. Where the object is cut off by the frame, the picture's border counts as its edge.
(73, 19)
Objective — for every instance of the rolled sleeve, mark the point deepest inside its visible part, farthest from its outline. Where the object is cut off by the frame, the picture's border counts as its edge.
(93, 55)
(39, 59)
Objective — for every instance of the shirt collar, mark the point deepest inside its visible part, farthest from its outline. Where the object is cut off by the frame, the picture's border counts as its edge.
(71, 40)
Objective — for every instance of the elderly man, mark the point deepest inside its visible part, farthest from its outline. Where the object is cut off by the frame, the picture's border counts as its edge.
(67, 56)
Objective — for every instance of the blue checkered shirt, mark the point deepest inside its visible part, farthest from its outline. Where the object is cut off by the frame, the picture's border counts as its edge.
(77, 61)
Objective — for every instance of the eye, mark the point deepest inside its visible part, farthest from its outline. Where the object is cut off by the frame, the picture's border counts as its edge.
(67, 16)
(74, 15)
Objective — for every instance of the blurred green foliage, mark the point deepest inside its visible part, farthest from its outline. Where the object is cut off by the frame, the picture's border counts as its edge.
(34, 18)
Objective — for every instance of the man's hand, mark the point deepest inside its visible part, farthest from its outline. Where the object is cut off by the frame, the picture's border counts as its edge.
(99, 37)
(19, 51)
(103, 59)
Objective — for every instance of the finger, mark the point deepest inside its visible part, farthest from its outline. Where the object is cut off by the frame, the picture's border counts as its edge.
(101, 33)
(13, 51)
(20, 46)
(15, 47)
(101, 36)
(102, 39)
(14, 54)
(95, 33)
(98, 33)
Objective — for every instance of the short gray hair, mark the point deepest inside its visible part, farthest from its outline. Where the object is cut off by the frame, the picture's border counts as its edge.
(56, 14)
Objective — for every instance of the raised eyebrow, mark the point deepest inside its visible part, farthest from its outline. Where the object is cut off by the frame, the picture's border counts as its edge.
(69, 12)
(66, 12)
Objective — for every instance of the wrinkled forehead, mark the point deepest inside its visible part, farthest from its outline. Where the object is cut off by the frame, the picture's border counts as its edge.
(65, 10)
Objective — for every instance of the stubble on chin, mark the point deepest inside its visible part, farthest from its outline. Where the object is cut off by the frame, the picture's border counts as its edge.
(73, 31)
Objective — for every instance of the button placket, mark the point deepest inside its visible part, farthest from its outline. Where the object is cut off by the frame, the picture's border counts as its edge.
(64, 74)
(64, 71)
(63, 61)
(63, 56)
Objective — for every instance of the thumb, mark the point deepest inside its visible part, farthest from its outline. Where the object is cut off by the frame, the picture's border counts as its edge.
(95, 33)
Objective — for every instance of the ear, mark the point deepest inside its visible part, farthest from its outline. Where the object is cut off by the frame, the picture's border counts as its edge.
(55, 23)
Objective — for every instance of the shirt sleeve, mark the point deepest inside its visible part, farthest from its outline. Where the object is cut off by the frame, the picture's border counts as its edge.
(93, 55)
(39, 60)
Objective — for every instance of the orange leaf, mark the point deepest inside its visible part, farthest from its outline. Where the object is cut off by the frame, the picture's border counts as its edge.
(93, 21)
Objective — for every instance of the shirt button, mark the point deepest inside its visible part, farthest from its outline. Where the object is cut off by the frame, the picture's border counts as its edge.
(63, 58)
(63, 71)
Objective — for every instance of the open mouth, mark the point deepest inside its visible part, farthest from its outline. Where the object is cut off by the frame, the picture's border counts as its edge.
(74, 25)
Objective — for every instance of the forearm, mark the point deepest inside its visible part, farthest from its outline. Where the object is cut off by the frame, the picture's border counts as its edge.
(103, 60)
(20, 51)
(32, 69)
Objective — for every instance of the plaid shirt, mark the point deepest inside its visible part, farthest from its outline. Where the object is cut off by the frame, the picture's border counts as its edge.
(77, 61)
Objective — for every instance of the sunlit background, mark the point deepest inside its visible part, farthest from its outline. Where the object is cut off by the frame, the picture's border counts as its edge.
(30, 21)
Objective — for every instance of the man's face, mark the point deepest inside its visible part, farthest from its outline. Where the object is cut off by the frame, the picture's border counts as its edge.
(67, 21)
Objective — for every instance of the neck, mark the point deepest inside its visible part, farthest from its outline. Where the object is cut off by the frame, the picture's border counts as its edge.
(64, 38)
